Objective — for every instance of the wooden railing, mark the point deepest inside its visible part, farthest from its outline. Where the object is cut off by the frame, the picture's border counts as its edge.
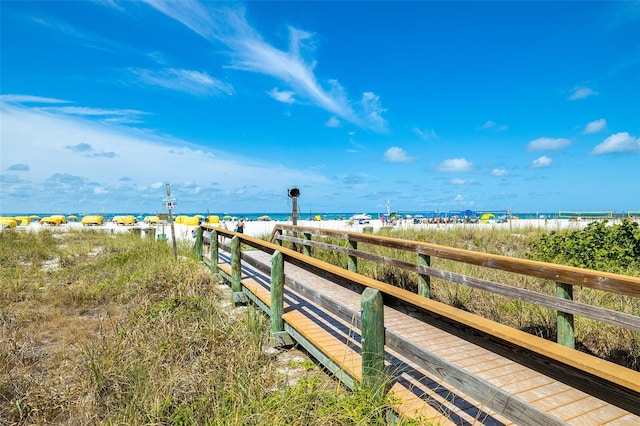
(565, 277)
(605, 380)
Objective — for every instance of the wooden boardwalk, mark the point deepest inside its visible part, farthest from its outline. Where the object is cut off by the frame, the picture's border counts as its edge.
(336, 343)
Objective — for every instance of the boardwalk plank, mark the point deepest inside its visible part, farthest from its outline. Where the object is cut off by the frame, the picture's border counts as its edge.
(413, 406)
(542, 387)
(626, 420)
(602, 415)
(492, 364)
(560, 400)
(339, 353)
(477, 356)
(578, 408)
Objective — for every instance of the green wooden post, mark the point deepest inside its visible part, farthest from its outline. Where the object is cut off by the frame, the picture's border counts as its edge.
(214, 251)
(373, 377)
(565, 320)
(424, 281)
(306, 250)
(352, 264)
(236, 272)
(277, 292)
(199, 243)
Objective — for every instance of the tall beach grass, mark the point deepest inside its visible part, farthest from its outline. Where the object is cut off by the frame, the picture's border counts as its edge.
(99, 328)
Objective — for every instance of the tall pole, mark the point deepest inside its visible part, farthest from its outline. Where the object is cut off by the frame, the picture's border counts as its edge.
(173, 232)
(294, 193)
(294, 213)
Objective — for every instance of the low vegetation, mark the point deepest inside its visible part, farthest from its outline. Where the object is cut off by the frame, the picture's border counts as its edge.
(598, 246)
(100, 328)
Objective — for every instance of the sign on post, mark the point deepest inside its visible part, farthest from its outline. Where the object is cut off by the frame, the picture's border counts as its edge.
(169, 203)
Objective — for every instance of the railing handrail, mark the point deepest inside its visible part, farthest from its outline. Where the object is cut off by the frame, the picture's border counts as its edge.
(611, 382)
(568, 356)
(615, 283)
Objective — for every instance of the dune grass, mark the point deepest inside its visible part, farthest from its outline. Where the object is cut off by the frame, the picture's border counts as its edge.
(99, 328)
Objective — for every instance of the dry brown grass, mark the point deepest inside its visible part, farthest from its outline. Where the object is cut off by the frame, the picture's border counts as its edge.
(109, 329)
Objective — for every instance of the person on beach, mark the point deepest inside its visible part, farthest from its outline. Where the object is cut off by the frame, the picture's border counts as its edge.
(240, 226)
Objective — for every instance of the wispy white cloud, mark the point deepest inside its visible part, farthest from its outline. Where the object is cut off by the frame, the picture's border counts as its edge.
(499, 172)
(110, 3)
(74, 36)
(50, 141)
(284, 96)
(197, 83)
(130, 115)
(395, 154)
(619, 142)
(492, 125)
(372, 110)
(59, 106)
(427, 135)
(541, 162)
(595, 126)
(250, 52)
(581, 92)
(547, 144)
(29, 99)
(332, 122)
(459, 181)
(455, 165)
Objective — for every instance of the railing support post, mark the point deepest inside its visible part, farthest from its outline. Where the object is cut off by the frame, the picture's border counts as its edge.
(424, 281)
(213, 241)
(294, 246)
(199, 243)
(277, 292)
(373, 377)
(565, 320)
(306, 249)
(236, 272)
(278, 234)
(353, 260)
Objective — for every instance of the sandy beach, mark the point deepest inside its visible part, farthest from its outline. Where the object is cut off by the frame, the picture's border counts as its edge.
(264, 228)
(260, 228)
(375, 225)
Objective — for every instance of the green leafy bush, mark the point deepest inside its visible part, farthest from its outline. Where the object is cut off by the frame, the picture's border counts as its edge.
(600, 246)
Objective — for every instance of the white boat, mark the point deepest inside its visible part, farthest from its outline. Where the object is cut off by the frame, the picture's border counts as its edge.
(361, 218)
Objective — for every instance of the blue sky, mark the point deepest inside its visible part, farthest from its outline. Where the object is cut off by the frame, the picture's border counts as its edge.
(532, 106)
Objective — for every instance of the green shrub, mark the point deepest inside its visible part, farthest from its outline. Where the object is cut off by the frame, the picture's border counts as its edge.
(609, 248)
